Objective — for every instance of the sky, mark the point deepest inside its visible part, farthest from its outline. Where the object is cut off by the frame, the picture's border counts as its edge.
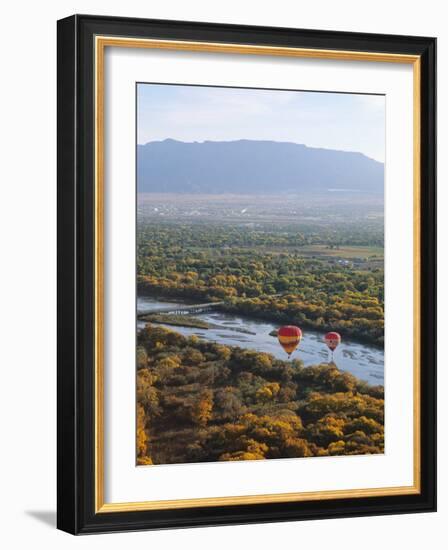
(346, 122)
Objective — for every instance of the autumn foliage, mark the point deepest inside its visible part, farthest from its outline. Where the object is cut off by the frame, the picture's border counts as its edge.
(200, 401)
(263, 274)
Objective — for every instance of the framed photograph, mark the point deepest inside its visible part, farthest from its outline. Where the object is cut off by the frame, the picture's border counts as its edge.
(246, 301)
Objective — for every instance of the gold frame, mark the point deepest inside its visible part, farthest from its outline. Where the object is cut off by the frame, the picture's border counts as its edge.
(101, 42)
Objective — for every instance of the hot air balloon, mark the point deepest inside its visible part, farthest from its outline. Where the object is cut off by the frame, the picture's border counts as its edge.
(289, 337)
(332, 339)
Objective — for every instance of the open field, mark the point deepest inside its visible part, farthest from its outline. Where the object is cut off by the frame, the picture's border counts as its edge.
(349, 252)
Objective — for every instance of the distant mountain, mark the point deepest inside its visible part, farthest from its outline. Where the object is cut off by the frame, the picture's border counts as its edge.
(248, 167)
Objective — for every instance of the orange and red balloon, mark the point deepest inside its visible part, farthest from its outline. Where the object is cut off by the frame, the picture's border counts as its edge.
(289, 337)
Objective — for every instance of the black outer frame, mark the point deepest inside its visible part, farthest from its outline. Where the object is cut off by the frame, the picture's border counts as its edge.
(76, 406)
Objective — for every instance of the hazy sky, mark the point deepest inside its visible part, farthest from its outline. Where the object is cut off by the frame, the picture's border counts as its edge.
(347, 122)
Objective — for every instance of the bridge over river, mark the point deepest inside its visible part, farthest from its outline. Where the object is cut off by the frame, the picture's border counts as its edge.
(181, 310)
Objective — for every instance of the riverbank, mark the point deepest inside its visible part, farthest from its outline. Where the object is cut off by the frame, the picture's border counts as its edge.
(186, 321)
(174, 320)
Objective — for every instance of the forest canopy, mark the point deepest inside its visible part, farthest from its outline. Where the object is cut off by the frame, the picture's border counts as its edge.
(201, 401)
(285, 275)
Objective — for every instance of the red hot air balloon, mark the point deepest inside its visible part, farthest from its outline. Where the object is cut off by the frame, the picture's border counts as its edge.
(332, 339)
(289, 337)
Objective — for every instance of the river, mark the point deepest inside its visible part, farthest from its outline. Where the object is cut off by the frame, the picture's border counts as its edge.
(363, 361)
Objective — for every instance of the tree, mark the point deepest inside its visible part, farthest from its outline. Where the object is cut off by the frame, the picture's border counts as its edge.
(326, 430)
(147, 394)
(143, 457)
(268, 392)
(192, 356)
(254, 451)
(228, 401)
(297, 448)
(141, 357)
(336, 448)
(202, 408)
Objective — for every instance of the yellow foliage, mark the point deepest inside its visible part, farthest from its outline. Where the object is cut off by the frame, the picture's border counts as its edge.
(202, 409)
(205, 402)
(336, 448)
(142, 436)
(144, 461)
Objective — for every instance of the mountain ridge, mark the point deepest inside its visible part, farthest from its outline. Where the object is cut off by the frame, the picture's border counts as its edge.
(252, 166)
